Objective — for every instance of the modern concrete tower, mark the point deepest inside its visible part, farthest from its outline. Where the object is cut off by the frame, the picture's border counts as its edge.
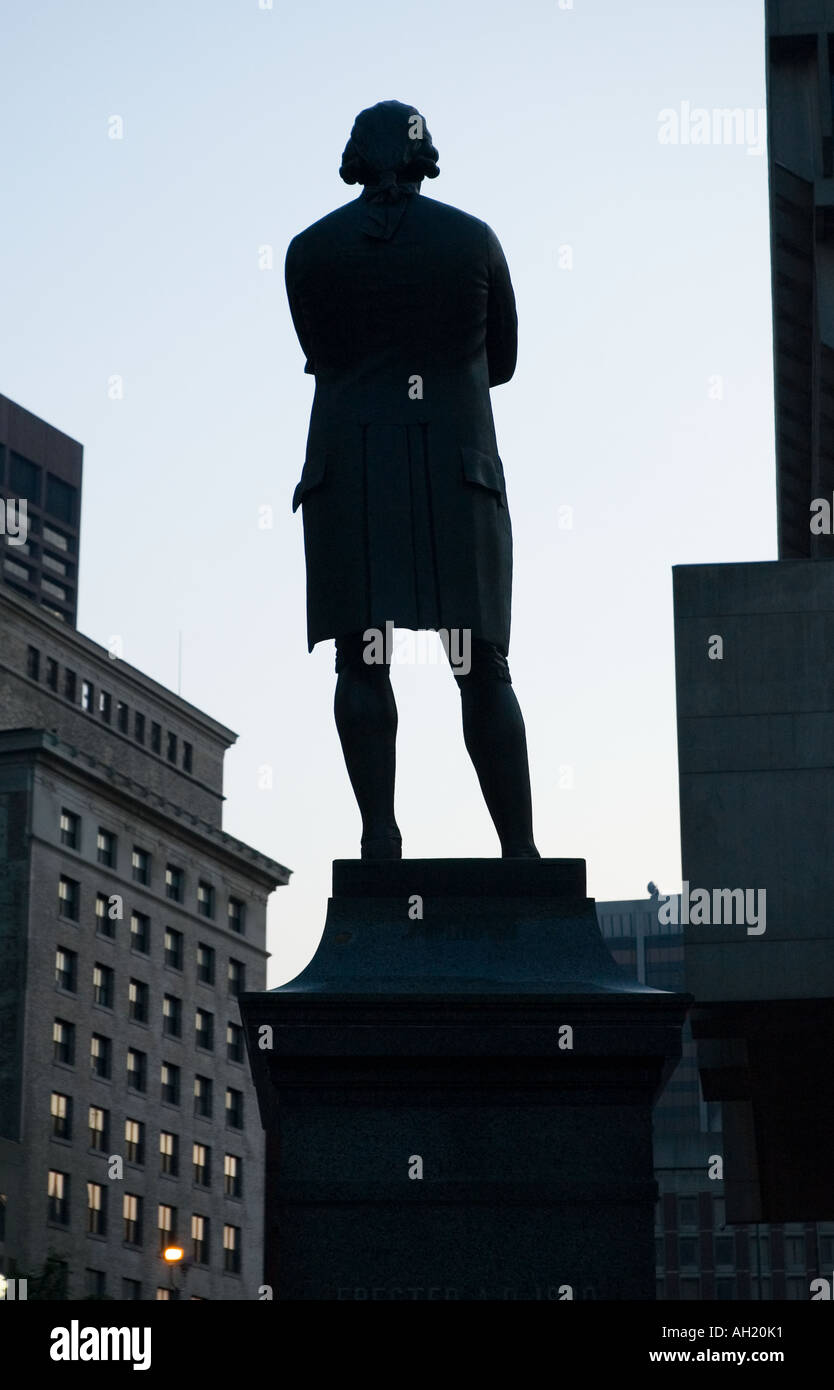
(755, 701)
(41, 467)
(800, 85)
(130, 922)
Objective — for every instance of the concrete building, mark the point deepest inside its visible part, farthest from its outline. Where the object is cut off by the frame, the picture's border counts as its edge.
(129, 923)
(41, 467)
(698, 1255)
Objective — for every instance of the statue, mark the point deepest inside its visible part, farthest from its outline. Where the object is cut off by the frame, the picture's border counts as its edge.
(406, 315)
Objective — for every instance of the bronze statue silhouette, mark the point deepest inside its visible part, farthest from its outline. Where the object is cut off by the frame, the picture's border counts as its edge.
(405, 312)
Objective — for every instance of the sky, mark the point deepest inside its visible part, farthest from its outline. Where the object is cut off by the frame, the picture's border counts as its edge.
(158, 158)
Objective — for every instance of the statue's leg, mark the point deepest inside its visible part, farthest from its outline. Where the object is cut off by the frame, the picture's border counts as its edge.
(366, 720)
(496, 741)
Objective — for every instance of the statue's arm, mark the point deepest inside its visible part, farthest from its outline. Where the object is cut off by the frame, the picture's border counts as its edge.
(291, 272)
(502, 319)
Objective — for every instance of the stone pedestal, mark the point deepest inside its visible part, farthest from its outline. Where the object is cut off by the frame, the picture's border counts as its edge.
(457, 1092)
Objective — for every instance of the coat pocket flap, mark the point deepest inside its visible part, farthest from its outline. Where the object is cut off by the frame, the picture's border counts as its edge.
(311, 475)
(483, 469)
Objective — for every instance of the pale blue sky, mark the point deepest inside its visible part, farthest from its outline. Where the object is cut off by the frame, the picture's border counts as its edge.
(139, 257)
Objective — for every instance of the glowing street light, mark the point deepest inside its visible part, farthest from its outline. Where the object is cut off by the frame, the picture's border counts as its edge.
(172, 1254)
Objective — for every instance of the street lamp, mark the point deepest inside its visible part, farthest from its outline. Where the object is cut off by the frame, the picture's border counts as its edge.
(174, 1257)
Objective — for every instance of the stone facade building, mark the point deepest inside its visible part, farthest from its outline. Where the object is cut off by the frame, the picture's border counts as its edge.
(129, 923)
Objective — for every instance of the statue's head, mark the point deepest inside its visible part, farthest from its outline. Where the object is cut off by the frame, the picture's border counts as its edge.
(389, 138)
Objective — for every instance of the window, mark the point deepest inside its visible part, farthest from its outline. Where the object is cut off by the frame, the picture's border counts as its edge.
(187, 756)
(105, 924)
(172, 1016)
(63, 1042)
(166, 1295)
(690, 1290)
(169, 1153)
(725, 1250)
(794, 1252)
(174, 883)
(171, 749)
(166, 1221)
(204, 1029)
(122, 716)
(70, 684)
(725, 1289)
(96, 1209)
(156, 738)
(201, 1155)
(137, 1070)
(231, 1249)
(99, 1127)
(139, 727)
(134, 1141)
(88, 702)
(205, 899)
(58, 1189)
(234, 1042)
(106, 848)
(140, 933)
(687, 1211)
(103, 989)
(140, 865)
(95, 1281)
(237, 915)
(137, 1001)
(233, 1176)
(236, 977)
(203, 1099)
(687, 1250)
(66, 969)
(132, 1218)
(131, 1290)
(173, 948)
(52, 673)
(60, 499)
(33, 663)
(205, 963)
(200, 1239)
(826, 1250)
(105, 706)
(60, 1108)
(56, 566)
(100, 1055)
(55, 538)
(25, 478)
(719, 1213)
(234, 1108)
(69, 898)
(70, 829)
(170, 1078)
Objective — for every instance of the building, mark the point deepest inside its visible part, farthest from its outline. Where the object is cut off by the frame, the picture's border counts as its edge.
(699, 1256)
(41, 467)
(129, 923)
(800, 101)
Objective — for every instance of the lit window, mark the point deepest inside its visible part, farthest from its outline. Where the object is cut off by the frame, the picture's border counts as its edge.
(237, 915)
(96, 1209)
(140, 865)
(137, 1001)
(134, 1141)
(100, 1052)
(99, 1127)
(63, 1042)
(201, 1156)
(69, 896)
(103, 985)
(200, 1239)
(66, 969)
(205, 899)
(232, 1176)
(169, 1149)
(132, 1218)
(106, 848)
(70, 829)
(87, 693)
(60, 1108)
(174, 883)
(166, 1221)
(137, 1070)
(105, 924)
(231, 1249)
(58, 1187)
(140, 933)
